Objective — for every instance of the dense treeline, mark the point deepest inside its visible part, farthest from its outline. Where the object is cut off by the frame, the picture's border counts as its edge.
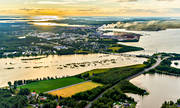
(114, 75)
(165, 66)
(167, 69)
(150, 62)
(128, 49)
(171, 104)
(90, 94)
(111, 96)
(109, 77)
(9, 101)
(22, 82)
(124, 48)
(117, 95)
(22, 98)
(72, 103)
(128, 87)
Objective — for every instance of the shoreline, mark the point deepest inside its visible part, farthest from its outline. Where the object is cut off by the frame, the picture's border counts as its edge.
(56, 62)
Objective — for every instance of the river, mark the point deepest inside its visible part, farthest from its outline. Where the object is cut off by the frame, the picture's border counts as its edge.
(161, 88)
(156, 41)
(21, 68)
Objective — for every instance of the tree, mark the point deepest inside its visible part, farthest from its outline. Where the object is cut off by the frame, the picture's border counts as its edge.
(86, 75)
(81, 104)
(10, 84)
(24, 91)
(178, 101)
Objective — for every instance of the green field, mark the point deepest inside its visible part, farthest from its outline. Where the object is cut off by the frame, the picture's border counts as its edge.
(101, 71)
(114, 49)
(95, 71)
(47, 85)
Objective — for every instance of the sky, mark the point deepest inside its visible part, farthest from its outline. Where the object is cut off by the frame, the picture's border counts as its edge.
(91, 7)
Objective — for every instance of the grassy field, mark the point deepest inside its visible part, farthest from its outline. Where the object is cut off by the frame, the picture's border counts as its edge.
(95, 71)
(81, 51)
(47, 85)
(100, 71)
(115, 48)
(69, 91)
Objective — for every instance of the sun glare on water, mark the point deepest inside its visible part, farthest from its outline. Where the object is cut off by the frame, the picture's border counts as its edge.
(46, 18)
(45, 21)
(56, 24)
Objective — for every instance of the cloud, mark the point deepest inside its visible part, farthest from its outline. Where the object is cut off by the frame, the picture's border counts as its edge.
(54, 2)
(166, 0)
(120, 0)
(93, 7)
(63, 2)
(126, 0)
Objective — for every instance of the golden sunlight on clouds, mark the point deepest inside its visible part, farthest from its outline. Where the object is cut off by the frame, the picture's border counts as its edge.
(57, 12)
(92, 7)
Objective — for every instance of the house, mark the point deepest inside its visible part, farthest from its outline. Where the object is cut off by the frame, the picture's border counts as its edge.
(58, 107)
(33, 94)
(42, 98)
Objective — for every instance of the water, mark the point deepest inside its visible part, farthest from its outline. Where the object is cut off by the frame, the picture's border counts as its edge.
(18, 69)
(174, 65)
(161, 88)
(157, 41)
(162, 41)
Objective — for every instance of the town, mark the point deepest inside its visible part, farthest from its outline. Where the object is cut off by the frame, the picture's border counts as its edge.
(72, 40)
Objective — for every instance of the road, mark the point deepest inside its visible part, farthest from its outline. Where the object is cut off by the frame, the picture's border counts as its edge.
(158, 61)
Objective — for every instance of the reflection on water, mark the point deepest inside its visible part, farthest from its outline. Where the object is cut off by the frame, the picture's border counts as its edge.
(176, 65)
(161, 41)
(21, 68)
(56, 24)
(161, 88)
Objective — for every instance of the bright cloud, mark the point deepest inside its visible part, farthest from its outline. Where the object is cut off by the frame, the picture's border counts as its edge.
(92, 7)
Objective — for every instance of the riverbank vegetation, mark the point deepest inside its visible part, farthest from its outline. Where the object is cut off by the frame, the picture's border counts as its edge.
(171, 104)
(165, 66)
(9, 101)
(112, 81)
(110, 77)
(114, 75)
(116, 94)
(32, 89)
(118, 48)
(128, 87)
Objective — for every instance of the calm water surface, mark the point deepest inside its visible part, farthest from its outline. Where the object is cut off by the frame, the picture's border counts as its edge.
(176, 66)
(161, 41)
(161, 88)
(18, 69)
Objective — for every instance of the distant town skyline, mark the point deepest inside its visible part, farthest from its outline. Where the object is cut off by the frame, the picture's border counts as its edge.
(91, 7)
